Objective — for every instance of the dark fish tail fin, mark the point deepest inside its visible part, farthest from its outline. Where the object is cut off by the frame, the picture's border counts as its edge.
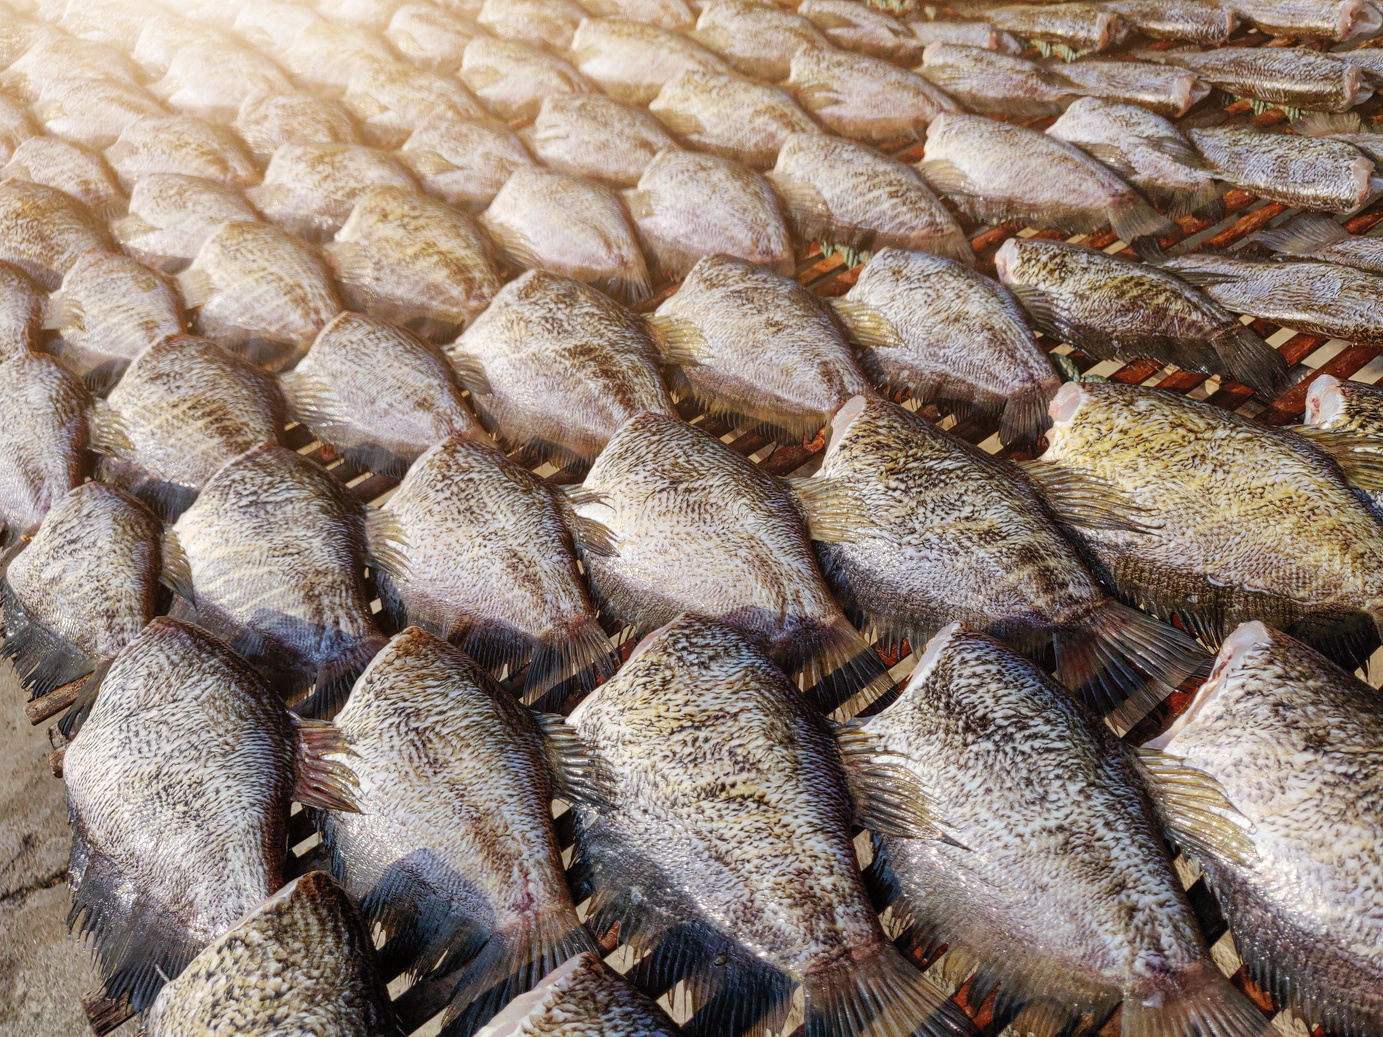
(1025, 417)
(572, 658)
(1201, 1003)
(1304, 236)
(75, 716)
(319, 782)
(1133, 218)
(336, 677)
(43, 658)
(875, 991)
(1250, 360)
(839, 665)
(1200, 199)
(1124, 662)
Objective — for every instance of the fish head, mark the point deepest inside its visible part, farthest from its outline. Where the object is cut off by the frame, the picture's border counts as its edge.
(1357, 18)
(1006, 261)
(1324, 402)
(1066, 402)
(1237, 648)
(844, 418)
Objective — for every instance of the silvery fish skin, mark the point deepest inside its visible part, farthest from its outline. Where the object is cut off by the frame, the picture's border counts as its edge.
(864, 98)
(1188, 20)
(377, 393)
(188, 405)
(699, 528)
(854, 26)
(1243, 512)
(1320, 298)
(539, 23)
(83, 587)
(758, 39)
(1294, 743)
(563, 367)
(571, 226)
(583, 998)
(268, 121)
(165, 34)
(278, 549)
(957, 337)
(631, 61)
(112, 22)
(946, 533)
(591, 135)
(675, 15)
(171, 216)
(392, 100)
(1308, 172)
(769, 353)
(1334, 20)
(842, 193)
(1144, 148)
(1120, 309)
(310, 189)
(453, 852)
(1291, 76)
(511, 79)
(688, 205)
(465, 163)
(728, 114)
(492, 566)
(367, 14)
(1081, 26)
(178, 786)
(1348, 405)
(1158, 88)
(60, 56)
(997, 171)
(1312, 236)
(260, 290)
(1062, 890)
(212, 82)
(270, 26)
(92, 112)
(991, 83)
(966, 34)
(44, 232)
(410, 259)
(108, 310)
(1368, 60)
(429, 36)
(323, 56)
(181, 144)
(16, 126)
(301, 962)
(73, 169)
(725, 843)
(21, 312)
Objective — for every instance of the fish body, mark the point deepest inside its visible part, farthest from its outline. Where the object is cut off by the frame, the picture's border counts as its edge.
(268, 121)
(1319, 298)
(212, 81)
(188, 405)
(997, 171)
(93, 112)
(864, 98)
(1369, 60)
(1240, 512)
(324, 55)
(1062, 889)
(1156, 88)
(570, 226)
(758, 39)
(377, 393)
(270, 26)
(582, 997)
(538, 23)
(75, 170)
(44, 232)
(1312, 236)
(1291, 76)
(956, 337)
(16, 126)
(465, 163)
(630, 61)
(843, 193)
(261, 290)
(1309, 172)
(689, 205)
(178, 785)
(511, 78)
(992, 83)
(165, 34)
(171, 215)
(1292, 740)
(1206, 24)
(115, 23)
(564, 366)
(404, 257)
(675, 15)
(429, 36)
(310, 189)
(453, 853)
(727, 114)
(301, 962)
(1334, 20)
(21, 312)
(966, 34)
(492, 567)
(1082, 27)
(391, 100)
(855, 26)
(1143, 147)
(1118, 308)
(59, 56)
(181, 144)
(591, 135)
(699, 528)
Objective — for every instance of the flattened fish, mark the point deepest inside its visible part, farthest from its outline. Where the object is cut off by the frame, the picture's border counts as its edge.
(44, 231)
(571, 226)
(262, 290)
(310, 189)
(591, 135)
(1313, 236)
(21, 313)
(539, 23)
(301, 962)
(93, 112)
(631, 61)
(172, 215)
(676, 15)
(1334, 20)
(758, 39)
(1157, 88)
(1295, 77)
(393, 99)
(727, 114)
(992, 83)
(583, 996)
(1189, 20)
(855, 26)
(181, 144)
(699, 528)
(1309, 172)
(465, 163)
(556, 367)
(59, 56)
(945, 333)
(430, 37)
(1078, 28)
(179, 786)
(688, 205)
(966, 34)
(267, 122)
(165, 34)
(726, 844)
(324, 55)
(998, 171)
(1294, 742)
(1062, 893)
(271, 26)
(864, 98)
(75, 170)
(188, 405)
(511, 79)
(16, 126)
(492, 566)
(212, 82)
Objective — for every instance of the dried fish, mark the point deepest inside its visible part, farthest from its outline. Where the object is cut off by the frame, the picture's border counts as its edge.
(727, 114)
(21, 312)
(1079, 27)
(271, 26)
(1293, 77)
(430, 37)
(75, 170)
(864, 98)
(1334, 20)
(1157, 88)
(630, 61)
(59, 56)
(16, 126)
(855, 26)
(757, 39)
(538, 23)
(966, 34)
(323, 55)
(181, 144)
(44, 231)
(1301, 171)
(310, 189)
(511, 78)
(991, 83)
(591, 135)
(268, 121)
(92, 112)
(676, 15)
(212, 82)
(1206, 24)
(171, 216)
(1312, 236)
(393, 99)
(1348, 405)
(465, 163)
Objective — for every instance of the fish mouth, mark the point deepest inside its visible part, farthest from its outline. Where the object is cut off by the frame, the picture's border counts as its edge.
(1235, 649)
(930, 654)
(1006, 259)
(841, 422)
(1324, 401)
(1066, 402)
(1106, 27)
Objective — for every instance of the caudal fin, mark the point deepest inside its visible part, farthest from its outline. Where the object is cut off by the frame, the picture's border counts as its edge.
(1304, 236)
(1201, 1003)
(1250, 360)
(43, 658)
(840, 664)
(1025, 416)
(876, 992)
(1133, 218)
(572, 658)
(336, 677)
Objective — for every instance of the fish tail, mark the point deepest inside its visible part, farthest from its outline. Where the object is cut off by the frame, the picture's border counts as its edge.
(1202, 1003)
(319, 782)
(1304, 236)
(43, 658)
(1250, 360)
(573, 657)
(1124, 662)
(336, 677)
(1199, 200)
(840, 665)
(875, 991)
(1025, 416)
(1133, 218)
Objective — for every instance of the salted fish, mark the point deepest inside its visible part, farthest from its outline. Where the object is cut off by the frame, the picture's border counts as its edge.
(1313, 236)
(266, 122)
(44, 232)
(1308, 172)
(727, 114)
(1295, 77)
(77, 171)
(429, 36)
(992, 83)
(1157, 88)
(310, 189)
(864, 98)
(858, 27)
(465, 163)
(93, 112)
(511, 78)
(592, 135)
(630, 60)
(757, 39)
(583, 996)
